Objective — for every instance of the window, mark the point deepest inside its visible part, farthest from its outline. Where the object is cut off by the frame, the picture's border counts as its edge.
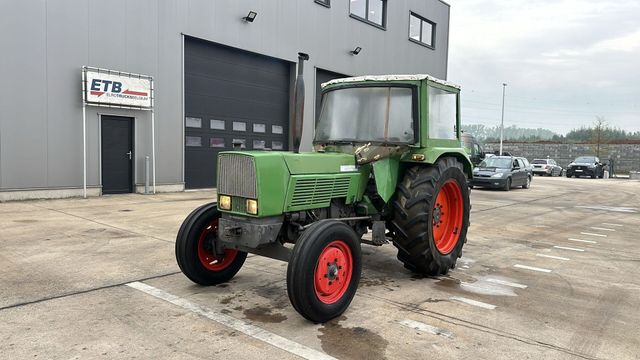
(373, 12)
(239, 126)
(277, 145)
(259, 128)
(216, 124)
(326, 3)
(421, 30)
(276, 129)
(443, 112)
(259, 144)
(193, 122)
(476, 149)
(367, 114)
(193, 141)
(216, 142)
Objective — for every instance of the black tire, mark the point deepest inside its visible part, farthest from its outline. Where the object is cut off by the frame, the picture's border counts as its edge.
(507, 185)
(415, 213)
(528, 183)
(308, 298)
(196, 231)
(569, 175)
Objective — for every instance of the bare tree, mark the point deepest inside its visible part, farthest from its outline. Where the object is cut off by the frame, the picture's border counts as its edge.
(599, 127)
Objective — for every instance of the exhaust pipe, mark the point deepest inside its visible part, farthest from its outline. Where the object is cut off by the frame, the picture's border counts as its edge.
(298, 100)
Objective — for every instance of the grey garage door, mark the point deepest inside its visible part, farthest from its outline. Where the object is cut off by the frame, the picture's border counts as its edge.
(231, 95)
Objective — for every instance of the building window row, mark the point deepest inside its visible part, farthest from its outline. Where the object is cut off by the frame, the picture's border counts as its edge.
(374, 12)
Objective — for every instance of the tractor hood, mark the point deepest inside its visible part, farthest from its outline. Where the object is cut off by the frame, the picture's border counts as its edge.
(275, 177)
(319, 163)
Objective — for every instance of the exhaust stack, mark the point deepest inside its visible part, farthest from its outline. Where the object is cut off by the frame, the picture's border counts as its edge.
(298, 101)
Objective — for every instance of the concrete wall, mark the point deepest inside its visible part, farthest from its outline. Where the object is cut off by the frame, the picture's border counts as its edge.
(45, 43)
(626, 156)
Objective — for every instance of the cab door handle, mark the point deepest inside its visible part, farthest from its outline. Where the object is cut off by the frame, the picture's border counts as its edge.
(129, 154)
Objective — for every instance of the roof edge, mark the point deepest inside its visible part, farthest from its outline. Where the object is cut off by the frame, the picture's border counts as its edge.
(399, 77)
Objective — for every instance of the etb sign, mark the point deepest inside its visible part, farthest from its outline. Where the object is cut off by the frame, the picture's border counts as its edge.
(103, 87)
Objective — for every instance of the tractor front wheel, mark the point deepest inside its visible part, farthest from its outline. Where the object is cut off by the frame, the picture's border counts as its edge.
(195, 246)
(431, 217)
(324, 270)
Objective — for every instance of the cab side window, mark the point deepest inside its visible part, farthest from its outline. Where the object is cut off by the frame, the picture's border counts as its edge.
(520, 163)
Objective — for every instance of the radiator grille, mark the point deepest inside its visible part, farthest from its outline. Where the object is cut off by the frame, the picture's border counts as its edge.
(237, 176)
(319, 192)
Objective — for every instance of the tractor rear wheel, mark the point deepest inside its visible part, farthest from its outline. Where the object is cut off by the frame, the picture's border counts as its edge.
(324, 270)
(195, 246)
(431, 217)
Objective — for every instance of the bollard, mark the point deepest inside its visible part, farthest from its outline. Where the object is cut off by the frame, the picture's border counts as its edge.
(146, 175)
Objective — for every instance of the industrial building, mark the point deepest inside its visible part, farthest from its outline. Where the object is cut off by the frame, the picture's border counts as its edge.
(101, 96)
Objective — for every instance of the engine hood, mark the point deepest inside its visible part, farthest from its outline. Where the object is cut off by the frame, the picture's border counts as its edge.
(319, 163)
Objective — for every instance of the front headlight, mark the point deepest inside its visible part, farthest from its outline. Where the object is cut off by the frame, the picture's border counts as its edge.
(224, 202)
(498, 175)
(252, 206)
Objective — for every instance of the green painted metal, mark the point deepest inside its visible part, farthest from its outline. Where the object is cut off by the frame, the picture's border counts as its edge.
(272, 176)
(315, 191)
(385, 172)
(318, 163)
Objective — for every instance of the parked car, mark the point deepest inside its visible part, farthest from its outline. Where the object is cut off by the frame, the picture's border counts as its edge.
(547, 167)
(586, 166)
(503, 172)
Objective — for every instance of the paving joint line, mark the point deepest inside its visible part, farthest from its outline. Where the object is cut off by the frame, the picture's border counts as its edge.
(105, 224)
(86, 291)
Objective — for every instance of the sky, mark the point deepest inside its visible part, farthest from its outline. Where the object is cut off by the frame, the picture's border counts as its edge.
(564, 62)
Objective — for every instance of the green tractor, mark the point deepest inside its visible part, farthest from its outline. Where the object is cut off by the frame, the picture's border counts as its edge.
(387, 162)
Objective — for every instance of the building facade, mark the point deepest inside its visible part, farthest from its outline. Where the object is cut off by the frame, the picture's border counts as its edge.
(223, 71)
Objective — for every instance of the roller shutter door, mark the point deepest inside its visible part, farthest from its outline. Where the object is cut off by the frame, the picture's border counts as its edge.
(231, 94)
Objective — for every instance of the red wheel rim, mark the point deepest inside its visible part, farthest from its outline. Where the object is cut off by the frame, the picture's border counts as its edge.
(333, 272)
(447, 217)
(205, 250)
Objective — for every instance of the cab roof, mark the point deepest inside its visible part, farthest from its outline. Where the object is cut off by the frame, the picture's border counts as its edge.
(415, 77)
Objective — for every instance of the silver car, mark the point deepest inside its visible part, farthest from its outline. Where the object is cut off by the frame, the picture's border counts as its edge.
(547, 167)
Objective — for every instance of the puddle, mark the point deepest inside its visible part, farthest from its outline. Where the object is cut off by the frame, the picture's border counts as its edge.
(264, 314)
(351, 343)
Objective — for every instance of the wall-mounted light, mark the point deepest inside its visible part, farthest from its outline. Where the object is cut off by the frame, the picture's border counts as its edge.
(250, 16)
(356, 51)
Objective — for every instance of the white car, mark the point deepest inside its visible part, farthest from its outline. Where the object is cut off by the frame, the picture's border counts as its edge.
(547, 167)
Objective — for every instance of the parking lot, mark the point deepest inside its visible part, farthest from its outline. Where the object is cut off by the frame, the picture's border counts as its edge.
(549, 272)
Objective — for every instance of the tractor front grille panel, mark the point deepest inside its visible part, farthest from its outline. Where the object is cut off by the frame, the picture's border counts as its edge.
(237, 176)
(319, 191)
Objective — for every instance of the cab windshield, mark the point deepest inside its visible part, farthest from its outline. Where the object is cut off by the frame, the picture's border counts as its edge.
(381, 114)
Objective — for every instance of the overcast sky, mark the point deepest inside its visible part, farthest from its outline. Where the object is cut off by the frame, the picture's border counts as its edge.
(564, 61)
